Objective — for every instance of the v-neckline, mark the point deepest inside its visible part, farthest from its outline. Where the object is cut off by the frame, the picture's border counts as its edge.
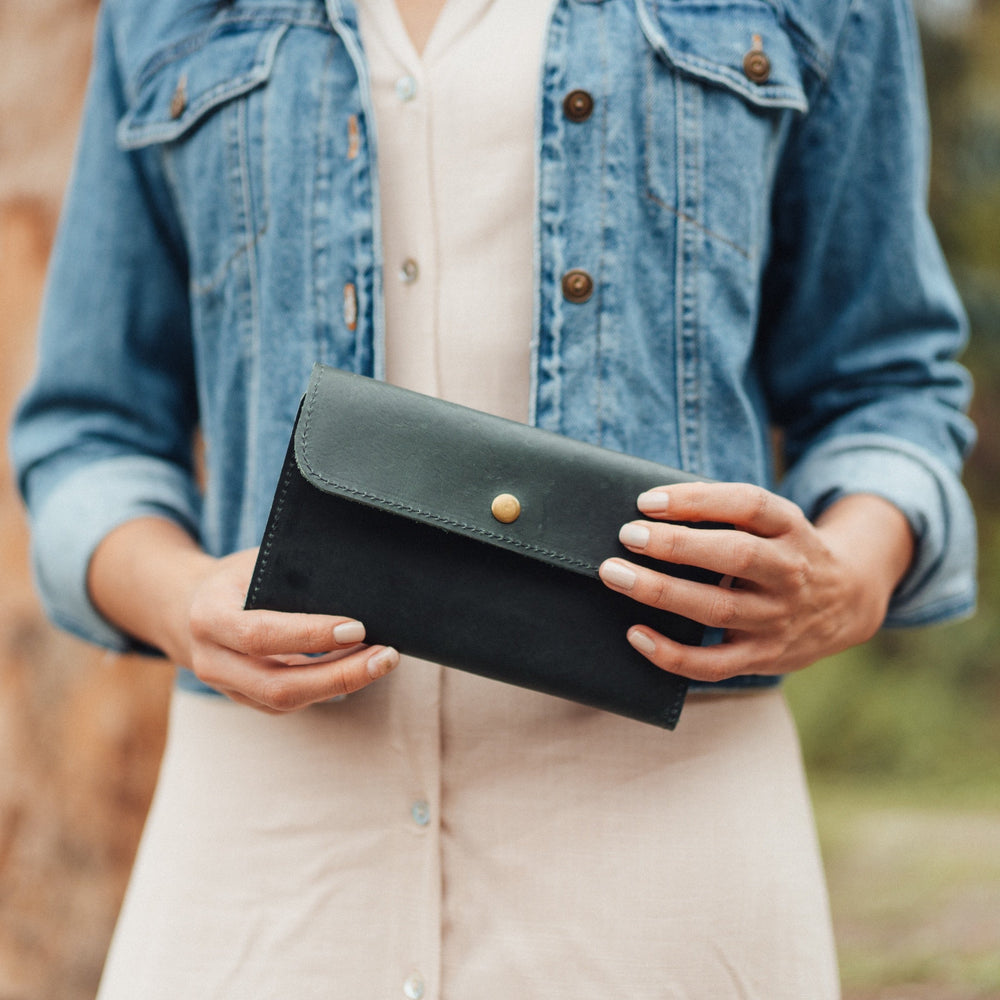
(453, 19)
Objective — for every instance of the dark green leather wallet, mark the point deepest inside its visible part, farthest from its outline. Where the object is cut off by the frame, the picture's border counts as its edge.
(468, 540)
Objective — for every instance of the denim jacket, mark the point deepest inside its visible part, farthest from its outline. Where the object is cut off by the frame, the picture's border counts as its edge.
(746, 193)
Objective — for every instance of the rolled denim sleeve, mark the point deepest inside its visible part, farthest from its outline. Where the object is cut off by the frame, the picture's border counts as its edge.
(104, 433)
(81, 510)
(860, 338)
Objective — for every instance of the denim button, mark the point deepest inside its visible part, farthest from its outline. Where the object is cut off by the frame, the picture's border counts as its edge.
(413, 988)
(350, 306)
(421, 812)
(178, 103)
(756, 64)
(353, 137)
(578, 105)
(577, 285)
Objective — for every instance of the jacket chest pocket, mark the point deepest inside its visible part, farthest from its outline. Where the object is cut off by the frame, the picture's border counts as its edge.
(202, 103)
(721, 87)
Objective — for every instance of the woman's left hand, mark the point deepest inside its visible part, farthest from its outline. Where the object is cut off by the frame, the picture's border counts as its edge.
(792, 592)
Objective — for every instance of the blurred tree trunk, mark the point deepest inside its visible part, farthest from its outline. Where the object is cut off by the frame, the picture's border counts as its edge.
(81, 732)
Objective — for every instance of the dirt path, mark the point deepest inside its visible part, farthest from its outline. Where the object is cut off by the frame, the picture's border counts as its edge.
(915, 894)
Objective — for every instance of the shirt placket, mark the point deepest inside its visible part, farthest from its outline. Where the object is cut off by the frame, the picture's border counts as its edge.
(404, 116)
(417, 713)
(403, 122)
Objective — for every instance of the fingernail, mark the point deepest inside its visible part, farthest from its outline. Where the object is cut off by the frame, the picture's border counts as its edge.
(636, 536)
(347, 633)
(618, 574)
(653, 501)
(641, 642)
(382, 662)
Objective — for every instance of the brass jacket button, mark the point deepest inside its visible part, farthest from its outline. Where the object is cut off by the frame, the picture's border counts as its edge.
(577, 285)
(578, 105)
(506, 508)
(756, 64)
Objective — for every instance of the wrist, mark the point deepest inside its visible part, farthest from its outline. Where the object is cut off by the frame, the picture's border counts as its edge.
(183, 573)
(142, 579)
(873, 538)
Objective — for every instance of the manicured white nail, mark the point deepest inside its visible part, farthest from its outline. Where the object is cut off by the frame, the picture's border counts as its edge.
(348, 633)
(618, 574)
(636, 536)
(653, 501)
(382, 662)
(641, 642)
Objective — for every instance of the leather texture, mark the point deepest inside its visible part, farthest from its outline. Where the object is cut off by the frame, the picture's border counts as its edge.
(383, 513)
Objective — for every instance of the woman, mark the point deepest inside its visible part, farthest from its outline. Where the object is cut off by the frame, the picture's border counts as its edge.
(661, 227)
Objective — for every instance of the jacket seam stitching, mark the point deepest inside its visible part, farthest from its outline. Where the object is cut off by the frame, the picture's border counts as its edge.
(267, 18)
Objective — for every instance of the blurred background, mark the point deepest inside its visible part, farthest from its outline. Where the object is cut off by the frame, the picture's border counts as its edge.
(906, 779)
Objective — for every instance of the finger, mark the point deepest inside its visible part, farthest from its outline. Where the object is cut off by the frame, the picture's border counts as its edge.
(748, 507)
(734, 554)
(287, 689)
(242, 699)
(709, 604)
(311, 659)
(262, 633)
(699, 663)
(276, 687)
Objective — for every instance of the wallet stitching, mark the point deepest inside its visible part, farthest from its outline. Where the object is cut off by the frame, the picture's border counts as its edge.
(279, 510)
(474, 529)
(398, 505)
(675, 708)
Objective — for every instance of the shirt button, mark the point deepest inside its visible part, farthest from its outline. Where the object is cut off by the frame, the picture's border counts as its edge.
(421, 812)
(413, 988)
(577, 285)
(756, 64)
(406, 88)
(408, 271)
(578, 105)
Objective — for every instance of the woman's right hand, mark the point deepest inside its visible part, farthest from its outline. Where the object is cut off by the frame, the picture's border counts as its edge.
(149, 578)
(271, 660)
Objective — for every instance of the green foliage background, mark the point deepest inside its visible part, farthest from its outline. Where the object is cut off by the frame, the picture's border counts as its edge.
(923, 707)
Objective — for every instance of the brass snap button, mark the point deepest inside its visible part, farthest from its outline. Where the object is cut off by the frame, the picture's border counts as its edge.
(577, 285)
(178, 103)
(578, 105)
(756, 64)
(506, 508)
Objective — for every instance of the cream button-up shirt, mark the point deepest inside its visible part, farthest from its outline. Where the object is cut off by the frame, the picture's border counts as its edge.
(456, 161)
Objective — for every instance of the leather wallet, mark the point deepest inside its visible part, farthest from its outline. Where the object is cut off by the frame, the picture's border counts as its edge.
(467, 539)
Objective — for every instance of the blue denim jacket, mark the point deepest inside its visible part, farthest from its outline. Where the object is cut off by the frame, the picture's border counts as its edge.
(747, 194)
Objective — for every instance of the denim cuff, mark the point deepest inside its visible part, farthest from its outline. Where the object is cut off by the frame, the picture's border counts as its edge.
(940, 584)
(80, 512)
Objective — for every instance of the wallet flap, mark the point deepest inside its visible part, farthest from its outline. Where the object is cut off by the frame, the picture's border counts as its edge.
(445, 465)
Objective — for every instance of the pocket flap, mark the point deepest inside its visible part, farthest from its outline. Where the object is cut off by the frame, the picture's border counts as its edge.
(444, 465)
(182, 84)
(712, 41)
